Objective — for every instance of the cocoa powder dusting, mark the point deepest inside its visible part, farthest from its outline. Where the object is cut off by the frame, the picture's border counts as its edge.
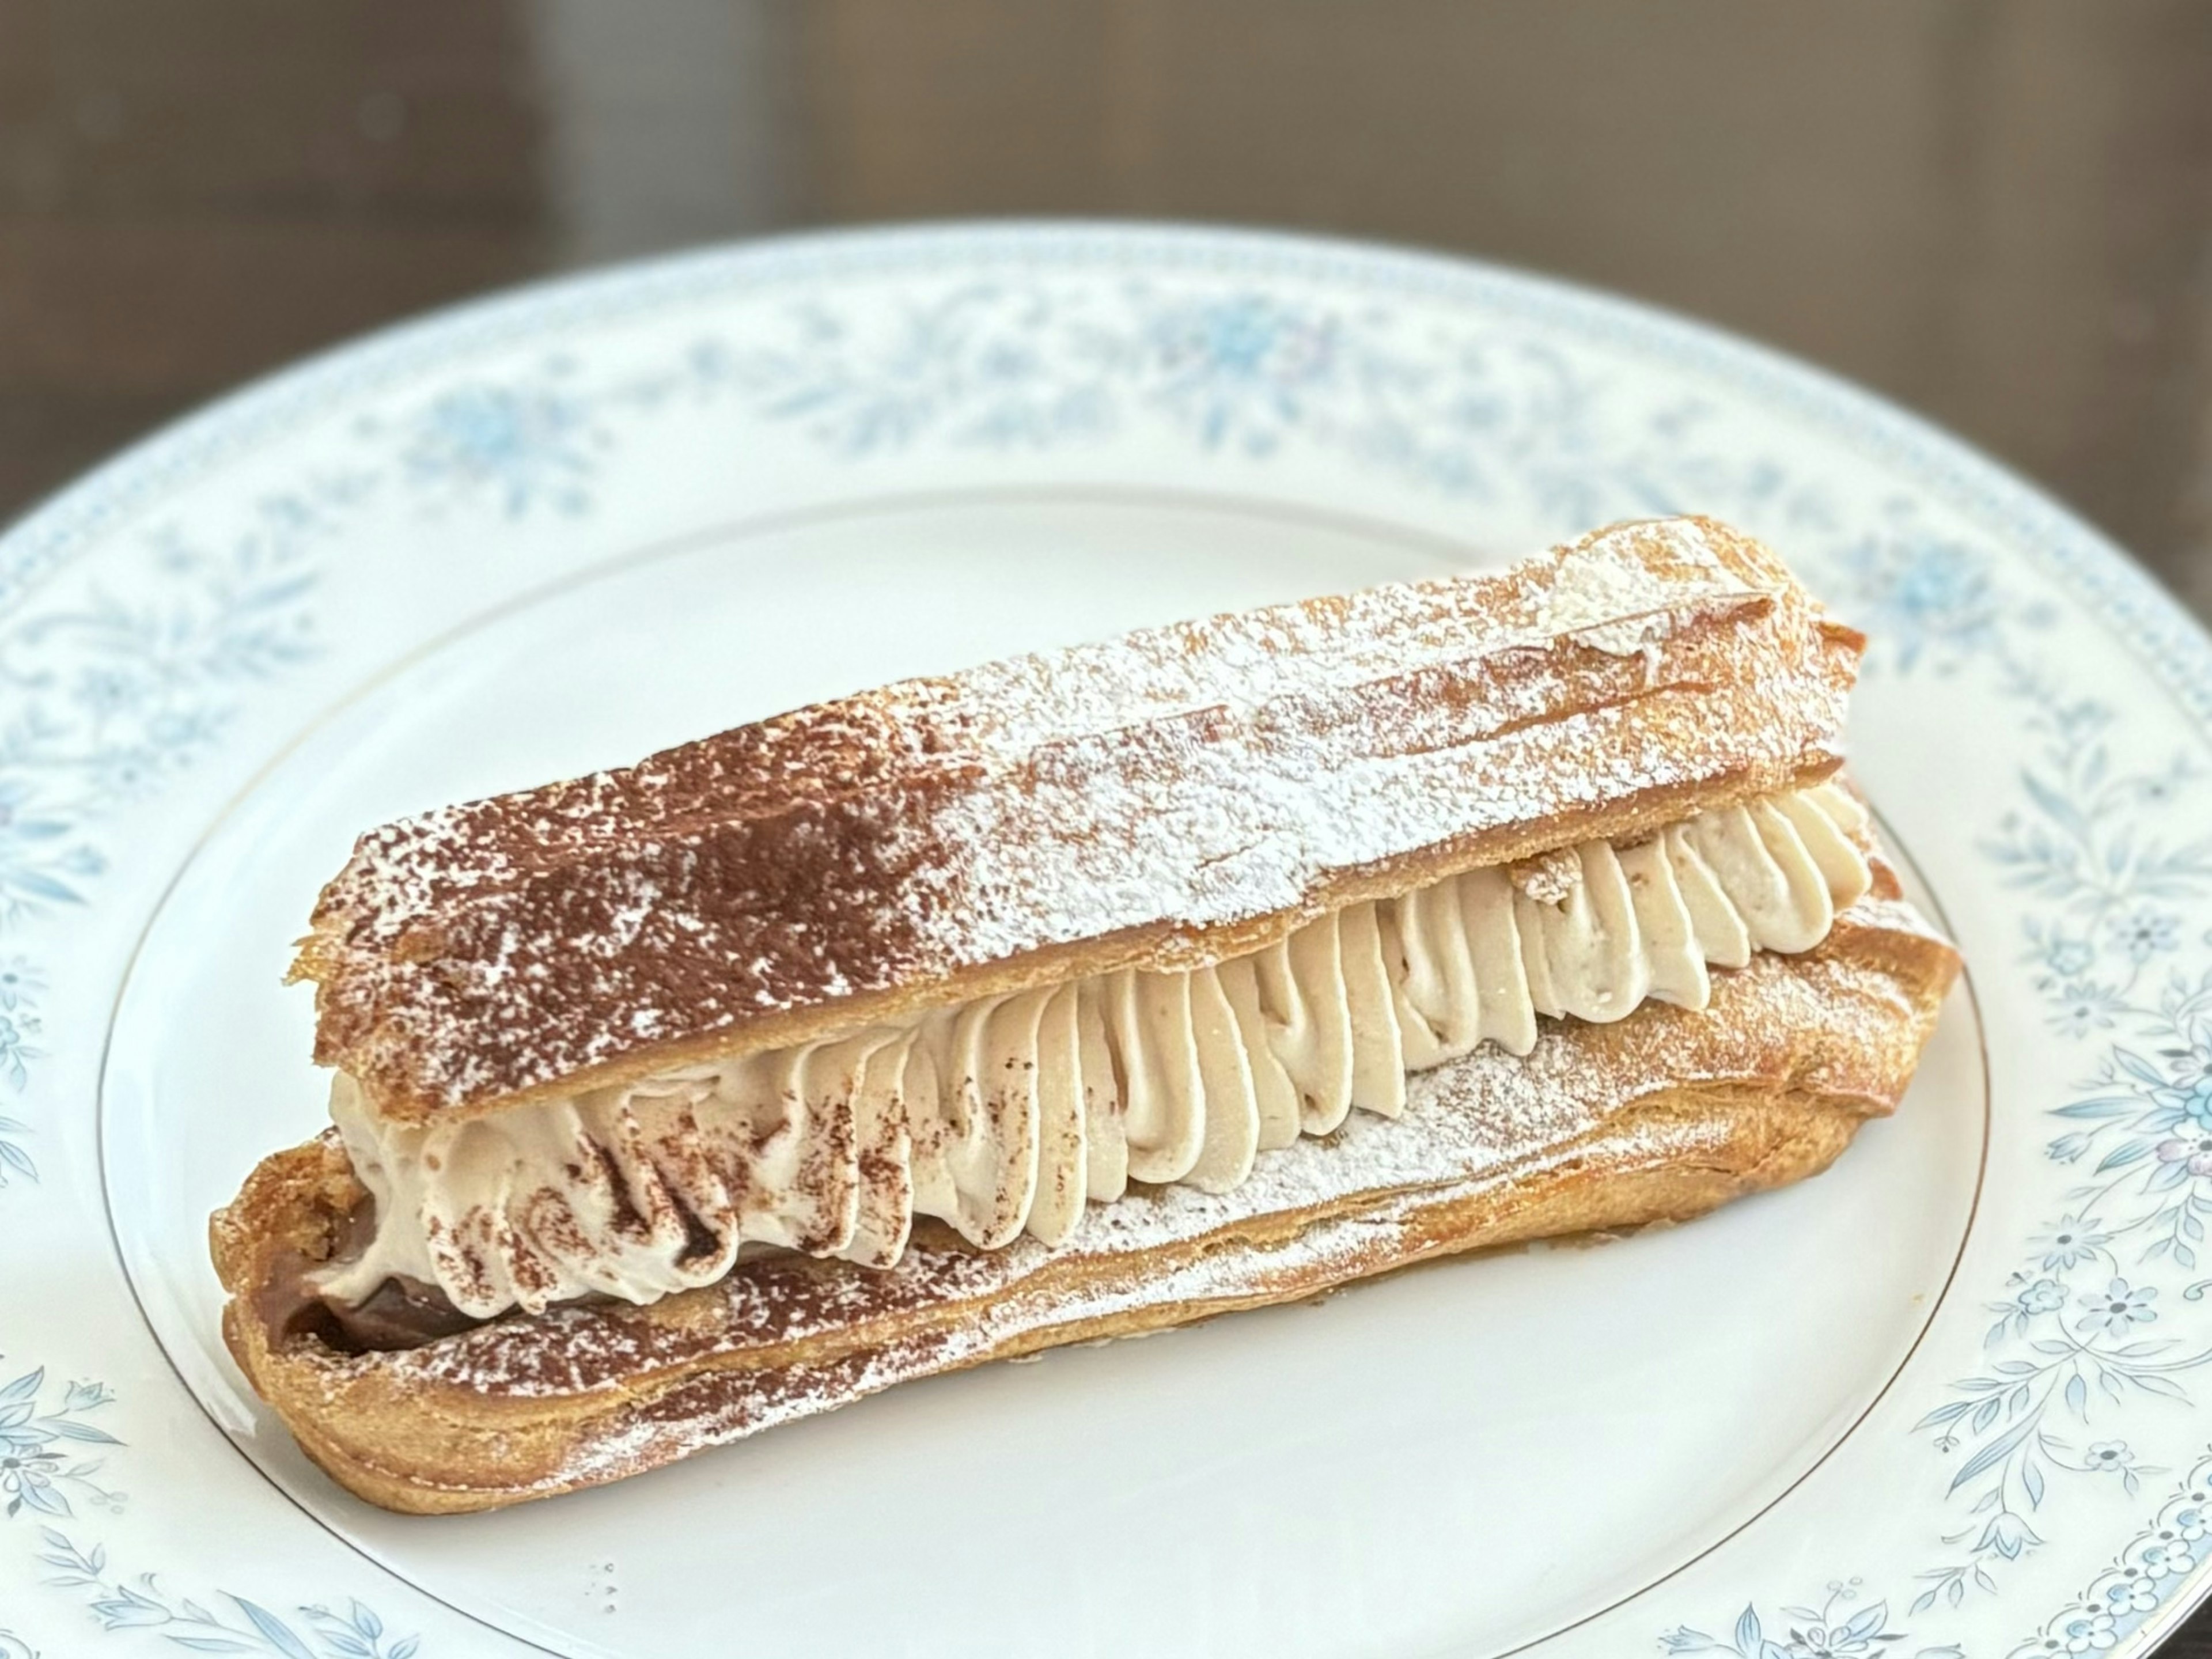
(1213, 775)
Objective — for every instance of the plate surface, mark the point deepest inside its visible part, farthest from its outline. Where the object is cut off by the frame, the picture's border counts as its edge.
(1942, 1401)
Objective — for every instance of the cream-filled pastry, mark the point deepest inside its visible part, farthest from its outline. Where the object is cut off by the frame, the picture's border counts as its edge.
(1002, 1116)
(1076, 995)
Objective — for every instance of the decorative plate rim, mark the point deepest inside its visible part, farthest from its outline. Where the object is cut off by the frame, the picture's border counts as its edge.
(2095, 567)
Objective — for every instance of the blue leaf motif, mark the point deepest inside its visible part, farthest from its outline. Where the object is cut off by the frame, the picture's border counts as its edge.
(1749, 1635)
(212, 1643)
(2077, 1395)
(69, 1430)
(2130, 1152)
(2054, 804)
(1991, 1455)
(43, 1498)
(274, 1630)
(39, 885)
(1865, 1624)
(24, 1387)
(2136, 1066)
(2108, 1106)
(403, 1649)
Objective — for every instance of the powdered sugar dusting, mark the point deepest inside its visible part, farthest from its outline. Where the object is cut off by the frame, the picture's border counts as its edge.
(1153, 789)
(1623, 607)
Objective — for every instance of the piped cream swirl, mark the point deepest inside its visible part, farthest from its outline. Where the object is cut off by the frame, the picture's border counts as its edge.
(1005, 1115)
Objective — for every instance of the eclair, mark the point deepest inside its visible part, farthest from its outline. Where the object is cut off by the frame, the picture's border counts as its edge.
(1082, 995)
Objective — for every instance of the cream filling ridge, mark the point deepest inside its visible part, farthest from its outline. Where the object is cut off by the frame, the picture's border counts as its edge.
(1006, 1115)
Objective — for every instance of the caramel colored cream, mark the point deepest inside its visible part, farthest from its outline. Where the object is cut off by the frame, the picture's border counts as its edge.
(1007, 1114)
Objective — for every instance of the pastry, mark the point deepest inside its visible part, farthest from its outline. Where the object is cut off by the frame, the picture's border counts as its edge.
(1079, 995)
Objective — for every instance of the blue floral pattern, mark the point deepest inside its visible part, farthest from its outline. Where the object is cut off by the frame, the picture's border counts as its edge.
(2142, 1579)
(2102, 848)
(42, 1474)
(531, 444)
(41, 1464)
(111, 693)
(1034, 366)
(1838, 1629)
(243, 1626)
(109, 697)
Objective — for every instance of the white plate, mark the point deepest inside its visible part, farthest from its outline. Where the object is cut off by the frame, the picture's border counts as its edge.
(1941, 1401)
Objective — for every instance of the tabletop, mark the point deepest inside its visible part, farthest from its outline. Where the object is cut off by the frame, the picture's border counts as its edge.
(1997, 214)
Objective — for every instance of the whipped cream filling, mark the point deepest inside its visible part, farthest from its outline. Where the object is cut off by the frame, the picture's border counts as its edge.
(1007, 1114)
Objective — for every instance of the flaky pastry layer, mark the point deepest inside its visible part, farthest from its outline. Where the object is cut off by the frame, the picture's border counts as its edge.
(1173, 797)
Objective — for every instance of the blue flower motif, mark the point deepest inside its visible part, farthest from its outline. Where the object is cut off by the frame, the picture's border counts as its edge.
(1822, 1632)
(83, 1397)
(2083, 1008)
(20, 983)
(126, 772)
(2130, 1596)
(2067, 958)
(2088, 1632)
(2109, 1457)
(2071, 1242)
(2145, 934)
(26, 1475)
(124, 1607)
(1240, 368)
(2009, 1536)
(2193, 1100)
(2045, 1296)
(103, 691)
(523, 445)
(2163, 788)
(2195, 1151)
(2162, 1561)
(1926, 597)
(2117, 1306)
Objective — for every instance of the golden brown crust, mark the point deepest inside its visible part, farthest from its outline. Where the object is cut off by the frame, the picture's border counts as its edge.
(1180, 795)
(1661, 1116)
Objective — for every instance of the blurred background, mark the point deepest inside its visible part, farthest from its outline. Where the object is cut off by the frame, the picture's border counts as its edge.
(1997, 211)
